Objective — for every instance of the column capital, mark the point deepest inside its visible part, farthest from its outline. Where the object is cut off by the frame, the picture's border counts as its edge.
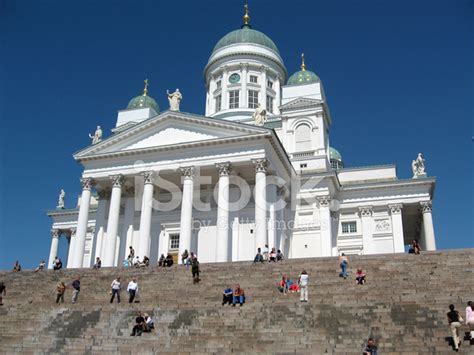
(426, 206)
(223, 168)
(54, 233)
(87, 183)
(395, 208)
(72, 231)
(365, 211)
(261, 165)
(263, 69)
(225, 69)
(324, 201)
(148, 176)
(244, 66)
(117, 180)
(187, 172)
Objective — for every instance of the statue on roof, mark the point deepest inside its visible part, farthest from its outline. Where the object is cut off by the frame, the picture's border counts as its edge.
(97, 137)
(174, 99)
(418, 167)
(60, 205)
(260, 116)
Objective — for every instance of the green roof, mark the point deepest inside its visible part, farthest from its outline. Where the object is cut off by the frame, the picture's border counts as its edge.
(246, 35)
(334, 154)
(143, 101)
(302, 77)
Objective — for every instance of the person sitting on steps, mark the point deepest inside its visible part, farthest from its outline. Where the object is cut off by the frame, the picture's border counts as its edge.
(98, 263)
(139, 325)
(227, 296)
(40, 266)
(279, 255)
(371, 348)
(161, 261)
(273, 255)
(58, 264)
(415, 248)
(239, 295)
(258, 258)
(184, 257)
(360, 277)
(168, 261)
(149, 324)
(282, 287)
(17, 266)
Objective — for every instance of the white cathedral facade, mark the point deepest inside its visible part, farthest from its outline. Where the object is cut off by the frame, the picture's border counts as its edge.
(224, 184)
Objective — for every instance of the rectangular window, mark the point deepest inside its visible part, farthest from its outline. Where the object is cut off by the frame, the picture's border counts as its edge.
(218, 84)
(234, 99)
(174, 241)
(253, 79)
(218, 102)
(253, 99)
(349, 227)
(269, 104)
(270, 84)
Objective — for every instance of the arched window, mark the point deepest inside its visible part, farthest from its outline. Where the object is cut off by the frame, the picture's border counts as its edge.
(303, 138)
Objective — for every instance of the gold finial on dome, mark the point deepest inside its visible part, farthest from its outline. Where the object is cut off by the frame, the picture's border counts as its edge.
(145, 89)
(246, 16)
(303, 66)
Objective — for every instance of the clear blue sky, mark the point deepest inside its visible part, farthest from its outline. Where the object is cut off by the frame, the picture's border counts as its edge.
(397, 74)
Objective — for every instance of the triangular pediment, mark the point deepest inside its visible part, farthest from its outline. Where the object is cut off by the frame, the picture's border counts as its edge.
(170, 129)
(301, 102)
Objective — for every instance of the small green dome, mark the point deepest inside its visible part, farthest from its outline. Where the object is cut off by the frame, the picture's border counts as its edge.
(246, 35)
(302, 77)
(143, 101)
(334, 154)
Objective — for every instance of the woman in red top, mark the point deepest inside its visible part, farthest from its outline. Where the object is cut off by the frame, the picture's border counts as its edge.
(360, 277)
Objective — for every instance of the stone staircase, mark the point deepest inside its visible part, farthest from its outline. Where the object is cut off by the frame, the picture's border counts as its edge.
(403, 306)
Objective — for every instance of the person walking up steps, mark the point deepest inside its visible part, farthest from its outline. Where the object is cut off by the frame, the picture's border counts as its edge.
(115, 290)
(132, 289)
(454, 320)
(303, 283)
(343, 262)
(60, 290)
(76, 285)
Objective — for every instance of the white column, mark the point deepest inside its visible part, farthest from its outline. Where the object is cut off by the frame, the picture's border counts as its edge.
(70, 253)
(212, 101)
(277, 101)
(100, 224)
(222, 223)
(244, 77)
(263, 88)
(112, 223)
(82, 220)
(430, 243)
(235, 239)
(128, 221)
(272, 198)
(53, 251)
(397, 228)
(145, 217)
(367, 241)
(260, 198)
(224, 102)
(186, 210)
(326, 225)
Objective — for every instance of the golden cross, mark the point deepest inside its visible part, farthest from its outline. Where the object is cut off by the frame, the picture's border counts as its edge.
(145, 90)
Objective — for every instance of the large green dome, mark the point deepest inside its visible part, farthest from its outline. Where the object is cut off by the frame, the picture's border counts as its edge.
(246, 35)
(143, 101)
(302, 77)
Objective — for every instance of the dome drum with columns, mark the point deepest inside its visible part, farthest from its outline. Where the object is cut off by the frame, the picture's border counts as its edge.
(260, 127)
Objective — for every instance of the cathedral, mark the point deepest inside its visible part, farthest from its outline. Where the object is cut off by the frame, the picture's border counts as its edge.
(256, 171)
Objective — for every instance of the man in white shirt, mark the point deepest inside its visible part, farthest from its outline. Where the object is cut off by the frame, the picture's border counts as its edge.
(265, 252)
(132, 290)
(303, 283)
(115, 290)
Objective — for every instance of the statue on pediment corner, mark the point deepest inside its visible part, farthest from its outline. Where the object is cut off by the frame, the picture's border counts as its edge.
(62, 195)
(174, 99)
(260, 116)
(97, 137)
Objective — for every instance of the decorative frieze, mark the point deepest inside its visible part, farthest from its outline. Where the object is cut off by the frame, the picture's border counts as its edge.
(87, 183)
(55, 233)
(365, 211)
(396, 208)
(223, 168)
(382, 225)
(261, 165)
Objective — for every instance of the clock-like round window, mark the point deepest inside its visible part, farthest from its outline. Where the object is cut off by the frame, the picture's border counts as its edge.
(234, 78)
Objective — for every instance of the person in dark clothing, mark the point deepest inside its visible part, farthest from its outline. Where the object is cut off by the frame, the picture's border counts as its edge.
(195, 270)
(168, 261)
(258, 258)
(371, 348)
(184, 257)
(161, 261)
(3, 292)
(454, 320)
(227, 296)
(58, 264)
(76, 286)
(139, 326)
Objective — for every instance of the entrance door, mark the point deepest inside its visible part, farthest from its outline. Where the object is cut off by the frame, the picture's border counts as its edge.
(173, 247)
